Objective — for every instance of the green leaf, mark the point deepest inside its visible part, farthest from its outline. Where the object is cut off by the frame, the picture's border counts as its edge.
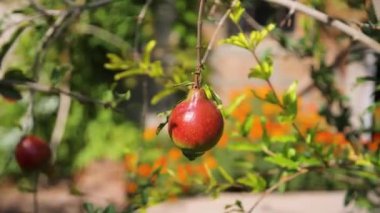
(282, 161)
(265, 136)
(15, 74)
(263, 70)
(310, 136)
(59, 72)
(225, 175)
(271, 97)
(289, 101)
(246, 126)
(211, 94)
(308, 162)
(255, 37)
(284, 139)
(236, 12)
(155, 69)
(117, 63)
(166, 116)
(238, 40)
(235, 103)
(244, 146)
(364, 79)
(129, 73)
(110, 209)
(148, 51)
(162, 94)
(256, 182)
(89, 207)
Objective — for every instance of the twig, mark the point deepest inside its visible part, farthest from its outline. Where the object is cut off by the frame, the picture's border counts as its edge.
(213, 37)
(324, 18)
(137, 57)
(198, 70)
(39, 8)
(53, 32)
(62, 115)
(96, 4)
(104, 35)
(275, 186)
(140, 18)
(55, 90)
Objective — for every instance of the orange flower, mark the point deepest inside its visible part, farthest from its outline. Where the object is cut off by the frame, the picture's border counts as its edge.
(374, 145)
(189, 169)
(276, 129)
(130, 162)
(262, 91)
(324, 137)
(340, 139)
(210, 162)
(174, 154)
(160, 163)
(131, 187)
(307, 120)
(200, 169)
(144, 170)
(223, 140)
(242, 111)
(256, 130)
(149, 134)
(182, 174)
(270, 109)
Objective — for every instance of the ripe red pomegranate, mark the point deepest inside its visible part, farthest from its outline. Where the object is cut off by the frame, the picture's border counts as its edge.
(195, 124)
(32, 153)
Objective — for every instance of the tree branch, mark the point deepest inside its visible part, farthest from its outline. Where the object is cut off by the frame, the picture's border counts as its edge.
(56, 91)
(324, 18)
(213, 37)
(197, 73)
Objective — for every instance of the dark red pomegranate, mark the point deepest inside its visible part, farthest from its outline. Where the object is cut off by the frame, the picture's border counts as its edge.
(195, 124)
(32, 153)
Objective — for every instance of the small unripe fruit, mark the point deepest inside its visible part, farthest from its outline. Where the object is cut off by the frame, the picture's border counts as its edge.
(195, 124)
(32, 153)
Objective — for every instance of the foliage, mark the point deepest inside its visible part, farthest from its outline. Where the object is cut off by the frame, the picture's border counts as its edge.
(271, 140)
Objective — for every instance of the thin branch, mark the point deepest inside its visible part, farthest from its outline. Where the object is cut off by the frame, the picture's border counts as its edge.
(197, 73)
(140, 18)
(96, 4)
(53, 32)
(275, 186)
(137, 57)
(56, 91)
(39, 8)
(62, 116)
(324, 18)
(218, 27)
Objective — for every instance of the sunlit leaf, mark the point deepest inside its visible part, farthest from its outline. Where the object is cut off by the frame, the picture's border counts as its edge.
(263, 70)
(244, 146)
(234, 105)
(148, 51)
(162, 94)
(236, 12)
(246, 126)
(289, 101)
(254, 181)
(282, 161)
(225, 175)
(129, 73)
